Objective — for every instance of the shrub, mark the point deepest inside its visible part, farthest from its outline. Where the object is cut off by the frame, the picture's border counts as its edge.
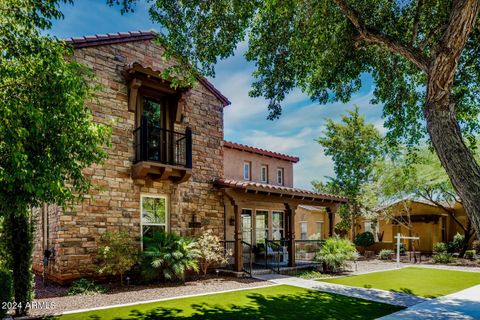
(85, 287)
(439, 247)
(335, 253)
(402, 248)
(443, 257)
(364, 239)
(6, 291)
(169, 256)
(470, 254)
(210, 251)
(117, 254)
(456, 244)
(476, 245)
(385, 254)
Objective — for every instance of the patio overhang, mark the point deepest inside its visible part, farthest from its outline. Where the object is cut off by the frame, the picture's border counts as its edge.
(241, 194)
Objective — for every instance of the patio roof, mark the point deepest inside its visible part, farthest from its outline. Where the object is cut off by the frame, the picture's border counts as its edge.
(268, 189)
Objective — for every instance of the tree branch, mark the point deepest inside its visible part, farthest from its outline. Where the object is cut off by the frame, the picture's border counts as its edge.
(369, 35)
(416, 21)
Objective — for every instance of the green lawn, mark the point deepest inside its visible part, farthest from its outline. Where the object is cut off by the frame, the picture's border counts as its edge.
(276, 302)
(425, 282)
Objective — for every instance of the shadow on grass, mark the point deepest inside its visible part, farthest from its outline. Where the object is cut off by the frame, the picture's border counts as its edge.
(308, 305)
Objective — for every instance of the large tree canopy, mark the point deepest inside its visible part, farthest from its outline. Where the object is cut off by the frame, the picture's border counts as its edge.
(47, 137)
(423, 55)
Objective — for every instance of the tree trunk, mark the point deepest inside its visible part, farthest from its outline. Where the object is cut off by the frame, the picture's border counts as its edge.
(467, 232)
(19, 236)
(456, 158)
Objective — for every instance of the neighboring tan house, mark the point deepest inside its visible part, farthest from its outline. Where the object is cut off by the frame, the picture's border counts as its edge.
(168, 167)
(428, 222)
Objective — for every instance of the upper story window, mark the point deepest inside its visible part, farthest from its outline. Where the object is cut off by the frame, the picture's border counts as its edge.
(247, 171)
(264, 173)
(280, 176)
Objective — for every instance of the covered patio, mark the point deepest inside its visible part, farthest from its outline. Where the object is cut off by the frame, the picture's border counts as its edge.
(260, 223)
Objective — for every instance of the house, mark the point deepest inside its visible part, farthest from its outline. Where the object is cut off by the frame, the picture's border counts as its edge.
(417, 218)
(168, 169)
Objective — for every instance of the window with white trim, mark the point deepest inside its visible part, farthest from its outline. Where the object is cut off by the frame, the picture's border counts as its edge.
(261, 226)
(303, 230)
(264, 173)
(154, 211)
(280, 176)
(278, 223)
(246, 171)
(319, 229)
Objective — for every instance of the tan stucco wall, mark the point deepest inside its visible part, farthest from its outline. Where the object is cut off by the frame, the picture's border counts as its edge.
(234, 160)
(311, 218)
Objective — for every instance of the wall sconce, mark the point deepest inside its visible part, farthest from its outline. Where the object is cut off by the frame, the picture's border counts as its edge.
(231, 221)
(194, 223)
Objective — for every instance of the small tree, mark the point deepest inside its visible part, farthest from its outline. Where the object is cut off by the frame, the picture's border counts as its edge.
(117, 254)
(364, 240)
(210, 251)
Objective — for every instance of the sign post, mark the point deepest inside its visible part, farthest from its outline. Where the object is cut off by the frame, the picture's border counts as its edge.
(398, 237)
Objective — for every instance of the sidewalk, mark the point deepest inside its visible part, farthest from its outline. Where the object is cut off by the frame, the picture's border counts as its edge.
(394, 298)
(463, 304)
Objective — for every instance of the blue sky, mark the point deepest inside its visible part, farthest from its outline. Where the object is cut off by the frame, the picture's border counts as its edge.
(294, 133)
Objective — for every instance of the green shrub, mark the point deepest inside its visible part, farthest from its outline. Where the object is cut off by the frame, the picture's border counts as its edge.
(443, 257)
(456, 244)
(169, 256)
(6, 291)
(476, 245)
(402, 248)
(335, 253)
(439, 247)
(364, 239)
(385, 254)
(117, 254)
(470, 254)
(85, 287)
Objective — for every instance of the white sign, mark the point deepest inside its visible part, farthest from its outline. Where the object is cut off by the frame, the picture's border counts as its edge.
(398, 237)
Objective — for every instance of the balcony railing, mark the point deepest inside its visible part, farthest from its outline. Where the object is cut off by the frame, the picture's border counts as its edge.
(156, 144)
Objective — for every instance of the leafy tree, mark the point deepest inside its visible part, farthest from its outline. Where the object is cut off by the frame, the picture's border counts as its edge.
(405, 177)
(117, 254)
(422, 55)
(47, 137)
(210, 251)
(354, 147)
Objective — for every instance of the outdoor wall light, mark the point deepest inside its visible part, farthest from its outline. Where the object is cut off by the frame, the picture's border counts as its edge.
(194, 223)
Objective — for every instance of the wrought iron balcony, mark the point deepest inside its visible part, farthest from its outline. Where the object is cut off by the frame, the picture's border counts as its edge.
(162, 153)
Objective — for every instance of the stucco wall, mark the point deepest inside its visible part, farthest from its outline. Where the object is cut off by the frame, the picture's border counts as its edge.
(234, 160)
(311, 218)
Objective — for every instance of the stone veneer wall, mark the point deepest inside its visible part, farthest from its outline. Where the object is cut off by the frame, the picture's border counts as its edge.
(114, 203)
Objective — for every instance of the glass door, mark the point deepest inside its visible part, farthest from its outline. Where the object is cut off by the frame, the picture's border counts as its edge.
(247, 225)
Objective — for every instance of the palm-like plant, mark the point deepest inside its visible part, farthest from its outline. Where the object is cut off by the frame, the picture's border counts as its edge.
(335, 253)
(170, 255)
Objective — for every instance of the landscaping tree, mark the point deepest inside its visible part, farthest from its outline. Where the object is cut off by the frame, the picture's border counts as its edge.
(354, 147)
(117, 254)
(423, 56)
(47, 137)
(210, 251)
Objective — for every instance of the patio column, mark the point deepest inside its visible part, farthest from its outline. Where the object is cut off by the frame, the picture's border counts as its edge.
(290, 215)
(238, 247)
(331, 219)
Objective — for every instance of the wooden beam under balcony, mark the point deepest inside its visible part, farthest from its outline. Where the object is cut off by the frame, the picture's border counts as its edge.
(158, 171)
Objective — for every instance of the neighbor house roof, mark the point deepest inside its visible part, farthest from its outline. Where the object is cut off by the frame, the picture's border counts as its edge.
(420, 201)
(263, 152)
(121, 37)
(278, 190)
(310, 208)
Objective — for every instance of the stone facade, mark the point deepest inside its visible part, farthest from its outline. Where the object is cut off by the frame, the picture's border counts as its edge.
(114, 202)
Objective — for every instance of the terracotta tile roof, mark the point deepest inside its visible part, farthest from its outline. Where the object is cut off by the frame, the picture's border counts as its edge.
(279, 190)
(110, 38)
(263, 152)
(121, 37)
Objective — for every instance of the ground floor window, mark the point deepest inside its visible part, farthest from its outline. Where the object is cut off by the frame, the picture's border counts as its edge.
(261, 226)
(319, 229)
(154, 210)
(278, 224)
(303, 230)
(247, 225)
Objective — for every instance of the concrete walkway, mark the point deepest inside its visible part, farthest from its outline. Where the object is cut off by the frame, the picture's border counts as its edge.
(395, 298)
(463, 304)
